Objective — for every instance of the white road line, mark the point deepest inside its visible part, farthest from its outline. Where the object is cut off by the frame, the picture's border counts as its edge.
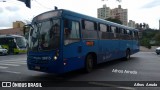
(12, 60)
(15, 62)
(111, 85)
(9, 64)
(12, 72)
(1, 67)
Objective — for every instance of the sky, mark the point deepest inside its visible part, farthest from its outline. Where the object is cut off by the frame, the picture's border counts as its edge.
(138, 10)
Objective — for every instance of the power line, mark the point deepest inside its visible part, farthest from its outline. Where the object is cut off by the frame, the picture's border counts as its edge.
(116, 0)
(42, 5)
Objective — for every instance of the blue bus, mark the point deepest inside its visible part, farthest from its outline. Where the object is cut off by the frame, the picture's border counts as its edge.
(61, 41)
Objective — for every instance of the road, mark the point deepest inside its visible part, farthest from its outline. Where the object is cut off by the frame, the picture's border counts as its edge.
(143, 66)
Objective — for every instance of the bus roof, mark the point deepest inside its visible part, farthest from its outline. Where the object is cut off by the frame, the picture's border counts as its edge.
(63, 12)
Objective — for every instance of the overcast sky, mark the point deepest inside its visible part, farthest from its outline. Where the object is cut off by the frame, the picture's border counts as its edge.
(147, 11)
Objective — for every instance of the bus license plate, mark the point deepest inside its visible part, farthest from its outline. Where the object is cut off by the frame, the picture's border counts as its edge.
(37, 67)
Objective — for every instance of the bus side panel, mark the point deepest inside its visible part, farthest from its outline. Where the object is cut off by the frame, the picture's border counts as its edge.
(135, 46)
(108, 50)
(72, 57)
(124, 44)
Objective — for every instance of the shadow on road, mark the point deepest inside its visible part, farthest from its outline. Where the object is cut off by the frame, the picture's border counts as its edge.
(77, 73)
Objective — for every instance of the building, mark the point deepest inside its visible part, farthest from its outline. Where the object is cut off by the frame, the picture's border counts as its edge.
(132, 24)
(104, 12)
(18, 24)
(17, 29)
(121, 14)
(117, 13)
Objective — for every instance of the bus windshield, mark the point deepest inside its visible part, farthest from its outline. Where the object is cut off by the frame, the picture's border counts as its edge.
(45, 35)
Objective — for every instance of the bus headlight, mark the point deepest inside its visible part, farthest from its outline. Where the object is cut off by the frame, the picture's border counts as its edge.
(55, 57)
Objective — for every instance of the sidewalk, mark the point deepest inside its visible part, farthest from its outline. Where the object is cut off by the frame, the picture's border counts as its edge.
(144, 49)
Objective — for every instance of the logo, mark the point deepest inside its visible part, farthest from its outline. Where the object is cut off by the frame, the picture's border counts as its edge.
(21, 84)
(6, 84)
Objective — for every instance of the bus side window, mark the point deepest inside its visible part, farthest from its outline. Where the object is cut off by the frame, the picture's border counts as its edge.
(113, 30)
(120, 33)
(89, 27)
(71, 32)
(108, 28)
(128, 35)
(103, 31)
(103, 28)
(83, 24)
(135, 35)
(95, 26)
(128, 32)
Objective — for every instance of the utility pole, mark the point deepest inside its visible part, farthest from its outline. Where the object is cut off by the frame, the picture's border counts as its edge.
(159, 24)
(27, 2)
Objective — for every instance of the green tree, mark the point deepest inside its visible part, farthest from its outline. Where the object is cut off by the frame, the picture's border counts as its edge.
(114, 20)
(150, 35)
(145, 42)
(157, 38)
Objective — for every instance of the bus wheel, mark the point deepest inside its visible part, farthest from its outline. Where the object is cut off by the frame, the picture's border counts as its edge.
(15, 53)
(89, 63)
(127, 54)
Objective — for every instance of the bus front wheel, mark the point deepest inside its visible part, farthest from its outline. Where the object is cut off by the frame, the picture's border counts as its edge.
(89, 63)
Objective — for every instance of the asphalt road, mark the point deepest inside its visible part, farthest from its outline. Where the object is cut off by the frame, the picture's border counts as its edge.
(143, 66)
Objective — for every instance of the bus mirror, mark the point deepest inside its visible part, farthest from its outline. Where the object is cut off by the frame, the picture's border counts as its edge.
(26, 28)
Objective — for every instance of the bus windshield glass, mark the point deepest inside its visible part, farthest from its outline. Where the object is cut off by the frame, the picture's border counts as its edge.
(44, 35)
(21, 42)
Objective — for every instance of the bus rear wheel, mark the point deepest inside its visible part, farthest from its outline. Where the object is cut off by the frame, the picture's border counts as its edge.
(127, 57)
(89, 63)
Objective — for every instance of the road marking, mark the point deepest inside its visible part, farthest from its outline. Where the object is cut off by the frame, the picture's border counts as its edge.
(111, 85)
(9, 64)
(1, 67)
(12, 72)
(14, 62)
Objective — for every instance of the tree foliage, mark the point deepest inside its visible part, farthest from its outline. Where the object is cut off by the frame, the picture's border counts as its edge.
(157, 38)
(114, 20)
(149, 36)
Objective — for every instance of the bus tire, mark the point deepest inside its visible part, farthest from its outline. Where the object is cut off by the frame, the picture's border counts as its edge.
(127, 57)
(89, 63)
(16, 52)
